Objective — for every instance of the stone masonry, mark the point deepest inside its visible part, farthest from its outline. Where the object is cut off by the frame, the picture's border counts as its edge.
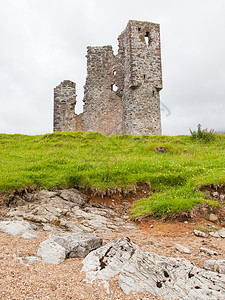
(121, 93)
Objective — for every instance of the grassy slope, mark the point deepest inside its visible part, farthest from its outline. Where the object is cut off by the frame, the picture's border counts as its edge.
(92, 160)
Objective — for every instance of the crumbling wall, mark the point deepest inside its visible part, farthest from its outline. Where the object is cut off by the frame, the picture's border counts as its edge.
(64, 106)
(102, 105)
(121, 93)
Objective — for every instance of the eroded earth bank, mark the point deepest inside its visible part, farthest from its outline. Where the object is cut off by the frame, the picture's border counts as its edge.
(66, 245)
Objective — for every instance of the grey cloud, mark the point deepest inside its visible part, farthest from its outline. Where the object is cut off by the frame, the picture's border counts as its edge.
(44, 42)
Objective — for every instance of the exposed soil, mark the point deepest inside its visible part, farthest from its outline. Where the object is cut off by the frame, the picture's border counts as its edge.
(36, 280)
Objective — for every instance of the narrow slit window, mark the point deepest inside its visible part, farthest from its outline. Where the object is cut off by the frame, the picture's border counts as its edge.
(147, 38)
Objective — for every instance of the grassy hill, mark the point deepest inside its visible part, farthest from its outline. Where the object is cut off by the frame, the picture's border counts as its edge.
(98, 163)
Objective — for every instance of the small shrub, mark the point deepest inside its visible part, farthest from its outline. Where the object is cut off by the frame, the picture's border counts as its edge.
(203, 134)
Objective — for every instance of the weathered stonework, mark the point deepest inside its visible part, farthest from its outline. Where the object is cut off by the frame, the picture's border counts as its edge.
(121, 93)
(65, 118)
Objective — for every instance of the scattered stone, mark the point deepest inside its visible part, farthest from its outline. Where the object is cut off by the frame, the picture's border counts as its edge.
(201, 233)
(215, 194)
(183, 249)
(28, 235)
(215, 265)
(215, 234)
(51, 252)
(208, 251)
(170, 278)
(161, 149)
(31, 258)
(17, 227)
(77, 244)
(222, 197)
(213, 218)
(222, 233)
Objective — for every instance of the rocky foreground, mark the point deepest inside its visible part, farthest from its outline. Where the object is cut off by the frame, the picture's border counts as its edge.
(57, 245)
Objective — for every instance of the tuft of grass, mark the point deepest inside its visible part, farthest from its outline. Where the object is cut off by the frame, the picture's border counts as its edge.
(97, 163)
(203, 134)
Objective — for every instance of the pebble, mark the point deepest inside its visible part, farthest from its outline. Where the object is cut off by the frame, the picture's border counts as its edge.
(200, 233)
(183, 249)
(208, 251)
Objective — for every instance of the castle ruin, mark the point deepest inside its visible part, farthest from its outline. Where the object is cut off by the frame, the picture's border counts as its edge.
(121, 93)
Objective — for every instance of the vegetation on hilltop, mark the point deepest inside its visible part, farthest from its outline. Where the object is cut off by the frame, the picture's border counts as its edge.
(98, 163)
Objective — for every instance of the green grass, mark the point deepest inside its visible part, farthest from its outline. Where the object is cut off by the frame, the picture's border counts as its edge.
(93, 161)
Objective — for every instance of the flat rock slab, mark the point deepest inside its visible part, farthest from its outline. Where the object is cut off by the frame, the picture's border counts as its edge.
(67, 245)
(170, 278)
(17, 227)
(77, 244)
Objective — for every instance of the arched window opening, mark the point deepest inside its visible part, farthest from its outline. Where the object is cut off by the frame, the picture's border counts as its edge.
(114, 87)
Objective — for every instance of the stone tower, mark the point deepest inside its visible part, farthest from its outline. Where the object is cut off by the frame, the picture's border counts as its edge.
(121, 93)
(139, 63)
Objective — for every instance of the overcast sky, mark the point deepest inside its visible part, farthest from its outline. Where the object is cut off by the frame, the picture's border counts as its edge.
(43, 42)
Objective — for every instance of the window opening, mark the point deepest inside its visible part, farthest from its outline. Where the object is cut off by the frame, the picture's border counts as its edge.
(147, 38)
(144, 76)
(153, 93)
(139, 29)
(114, 87)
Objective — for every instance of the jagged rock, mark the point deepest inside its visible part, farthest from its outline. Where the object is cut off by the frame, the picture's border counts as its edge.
(72, 209)
(51, 252)
(74, 196)
(77, 244)
(201, 233)
(17, 227)
(46, 194)
(107, 261)
(208, 251)
(215, 265)
(170, 278)
(183, 249)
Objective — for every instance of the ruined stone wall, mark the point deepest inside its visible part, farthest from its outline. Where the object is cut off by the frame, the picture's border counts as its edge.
(139, 50)
(64, 106)
(102, 105)
(121, 93)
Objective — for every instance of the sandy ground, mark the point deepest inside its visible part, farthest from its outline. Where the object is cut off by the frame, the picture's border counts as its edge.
(36, 280)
